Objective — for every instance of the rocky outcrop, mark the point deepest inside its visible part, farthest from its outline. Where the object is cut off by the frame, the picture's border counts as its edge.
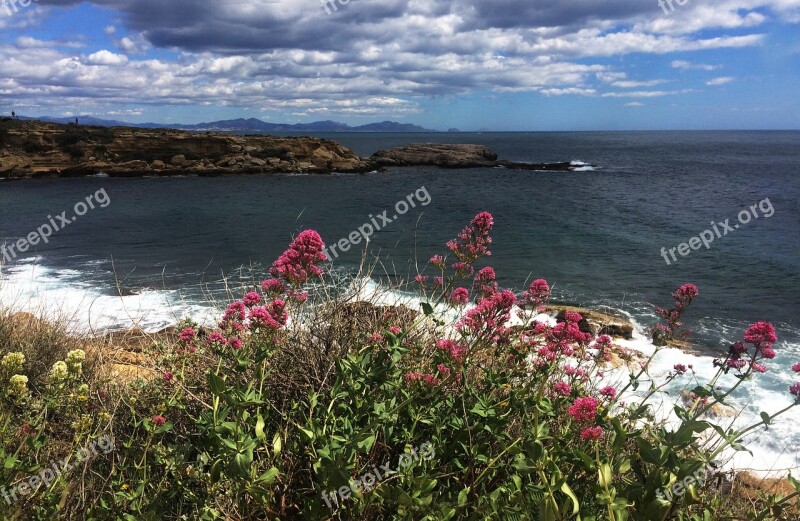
(597, 322)
(38, 149)
(433, 154)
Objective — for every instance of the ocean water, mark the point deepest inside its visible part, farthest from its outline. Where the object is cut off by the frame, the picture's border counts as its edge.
(171, 246)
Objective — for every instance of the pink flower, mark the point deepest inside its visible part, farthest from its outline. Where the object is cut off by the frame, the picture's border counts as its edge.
(768, 352)
(438, 282)
(795, 389)
(489, 315)
(562, 388)
(395, 330)
(216, 338)
(679, 368)
(463, 269)
(272, 286)
(158, 421)
(759, 367)
(443, 370)
(538, 292)
(297, 265)
(187, 335)
(375, 338)
(251, 299)
(473, 242)
(438, 261)
(571, 316)
(760, 333)
(592, 433)
(459, 296)
(422, 280)
(453, 348)
(584, 410)
(425, 378)
(234, 316)
(271, 316)
(796, 367)
(609, 392)
(686, 293)
(168, 376)
(485, 282)
(235, 343)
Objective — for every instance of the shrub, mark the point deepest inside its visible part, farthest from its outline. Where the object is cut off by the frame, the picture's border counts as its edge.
(300, 405)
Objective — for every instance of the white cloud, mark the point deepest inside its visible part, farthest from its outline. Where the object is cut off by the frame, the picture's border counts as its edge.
(105, 57)
(722, 80)
(687, 66)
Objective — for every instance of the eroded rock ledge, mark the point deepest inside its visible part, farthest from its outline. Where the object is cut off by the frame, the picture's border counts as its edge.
(35, 149)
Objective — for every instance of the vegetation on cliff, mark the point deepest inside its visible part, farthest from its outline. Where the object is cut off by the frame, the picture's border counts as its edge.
(301, 404)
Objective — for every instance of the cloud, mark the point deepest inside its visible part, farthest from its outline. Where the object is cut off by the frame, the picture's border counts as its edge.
(106, 58)
(722, 80)
(687, 66)
(634, 104)
(382, 56)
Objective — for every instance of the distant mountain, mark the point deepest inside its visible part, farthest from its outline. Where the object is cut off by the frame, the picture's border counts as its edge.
(249, 125)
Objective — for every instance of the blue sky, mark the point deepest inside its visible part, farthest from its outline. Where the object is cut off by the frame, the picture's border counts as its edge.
(488, 64)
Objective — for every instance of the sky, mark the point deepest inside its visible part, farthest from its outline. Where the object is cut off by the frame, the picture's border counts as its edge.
(512, 65)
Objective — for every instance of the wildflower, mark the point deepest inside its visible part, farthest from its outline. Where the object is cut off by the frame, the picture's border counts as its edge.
(609, 392)
(438, 261)
(760, 333)
(297, 265)
(592, 433)
(584, 409)
(26, 430)
(562, 388)
(679, 369)
(571, 316)
(422, 280)
(796, 367)
(759, 367)
(375, 338)
(473, 242)
(795, 389)
(187, 335)
(234, 316)
(395, 330)
(490, 315)
(158, 421)
(235, 343)
(216, 338)
(443, 370)
(453, 348)
(459, 296)
(485, 282)
(12, 362)
(75, 360)
(251, 299)
(463, 269)
(59, 372)
(768, 352)
(273, 286)
(168, 376)
(271, 316)
(686, 293)
(438, 282)
(18, 386)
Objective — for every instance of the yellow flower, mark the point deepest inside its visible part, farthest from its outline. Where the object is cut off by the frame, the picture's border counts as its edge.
(75, 360)
(125, 486)
(59, 372)
(18, 386)
(12, 362)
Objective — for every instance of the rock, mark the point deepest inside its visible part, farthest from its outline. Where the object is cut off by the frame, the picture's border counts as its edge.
(178, 160)
(432, 154)
(133, 165)
(158, 164)
(597, 322)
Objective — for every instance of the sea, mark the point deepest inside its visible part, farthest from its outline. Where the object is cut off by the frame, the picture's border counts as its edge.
(640, 214)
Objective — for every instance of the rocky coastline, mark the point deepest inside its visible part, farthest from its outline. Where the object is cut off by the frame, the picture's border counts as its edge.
(35, 149)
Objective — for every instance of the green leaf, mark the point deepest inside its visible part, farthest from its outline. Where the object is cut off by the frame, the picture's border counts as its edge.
(766, 418)
(269, 477)
(462, 497)
(277, 444)
(426, 308)
(216, 384)
(568, 491)
(260, 427)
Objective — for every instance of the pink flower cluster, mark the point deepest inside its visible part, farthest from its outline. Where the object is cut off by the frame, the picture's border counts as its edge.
(485, 282)
(489, 316)
(538, 293)
(762, 337)
(584, 411)
(187, 338)
(297, 265)
(473, 242)
(683, 297)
